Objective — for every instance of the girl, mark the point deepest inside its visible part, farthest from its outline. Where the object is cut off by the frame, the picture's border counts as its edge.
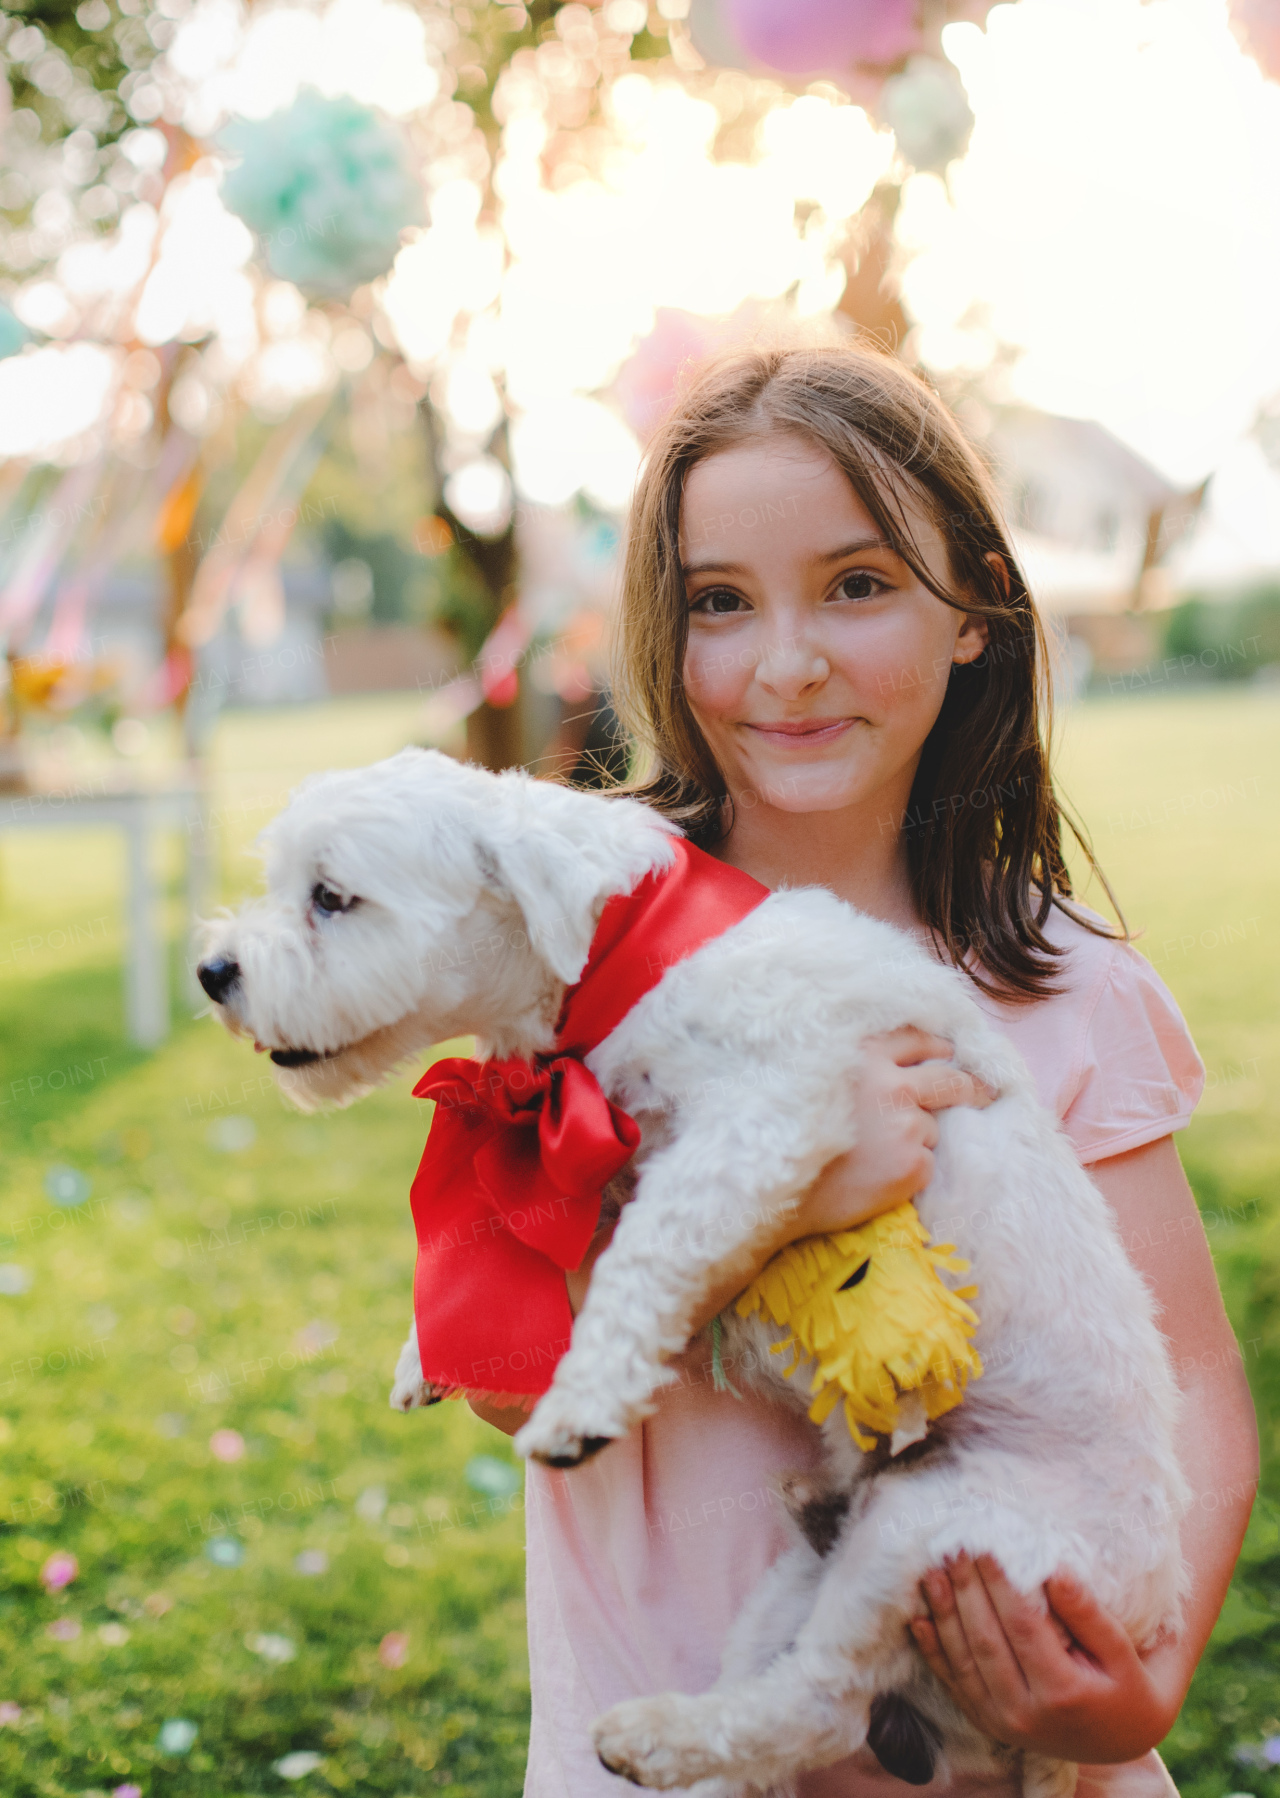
(836, 671)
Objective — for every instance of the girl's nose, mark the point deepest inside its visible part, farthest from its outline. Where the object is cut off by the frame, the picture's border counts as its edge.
(791, 667)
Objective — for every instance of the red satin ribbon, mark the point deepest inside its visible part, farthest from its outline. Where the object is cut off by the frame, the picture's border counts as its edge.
(507, 1195)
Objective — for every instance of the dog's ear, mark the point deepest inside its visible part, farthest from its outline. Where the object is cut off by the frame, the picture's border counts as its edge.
(559, 890)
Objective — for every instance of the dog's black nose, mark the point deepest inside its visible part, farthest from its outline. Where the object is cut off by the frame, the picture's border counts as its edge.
(217, 977)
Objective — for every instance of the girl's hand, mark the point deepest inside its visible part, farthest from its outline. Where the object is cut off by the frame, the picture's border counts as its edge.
(906, 1078)
(1053, 1672)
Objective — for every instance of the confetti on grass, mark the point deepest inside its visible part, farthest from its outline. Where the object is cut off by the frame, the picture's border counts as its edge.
(495, 1478)
(298, 1765)
(176, 1736)
(66, 1185)
(225, 1551)
(58, 1571)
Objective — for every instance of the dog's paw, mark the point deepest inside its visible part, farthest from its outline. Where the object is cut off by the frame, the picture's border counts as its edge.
(557, 1445)
(411, 1392)
(658, 1742)
(559, 1435)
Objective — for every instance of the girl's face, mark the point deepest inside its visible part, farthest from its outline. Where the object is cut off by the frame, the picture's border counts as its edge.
(816, 662)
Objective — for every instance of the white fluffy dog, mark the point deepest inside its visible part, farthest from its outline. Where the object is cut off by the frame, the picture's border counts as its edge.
(419, 900)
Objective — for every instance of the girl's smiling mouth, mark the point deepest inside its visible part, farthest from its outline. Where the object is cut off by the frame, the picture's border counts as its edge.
(807, 731)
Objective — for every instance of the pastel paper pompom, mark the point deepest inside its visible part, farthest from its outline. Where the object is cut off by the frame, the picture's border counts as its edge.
(926, 109)
(800, 36)
(13, 333)
(327, 187)
(1256, 24)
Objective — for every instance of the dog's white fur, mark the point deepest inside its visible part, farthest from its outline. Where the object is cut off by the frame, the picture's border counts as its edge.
(478, 896)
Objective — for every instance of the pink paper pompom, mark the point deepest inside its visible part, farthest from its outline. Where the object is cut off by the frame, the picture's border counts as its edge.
(1256, 23)
(799, 36)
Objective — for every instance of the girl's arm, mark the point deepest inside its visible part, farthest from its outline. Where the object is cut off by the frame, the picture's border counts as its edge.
(905, 1079)
(507, 1418)
(1068, 1682)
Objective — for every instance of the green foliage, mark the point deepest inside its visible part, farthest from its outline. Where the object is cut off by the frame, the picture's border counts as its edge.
(100, 54)
(401, 582)
(1186, 821)
(197, 1287)
(461, 601)
(1226, 639)
(497, 33)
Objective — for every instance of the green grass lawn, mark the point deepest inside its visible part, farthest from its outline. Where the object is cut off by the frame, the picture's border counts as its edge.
(237, 1284)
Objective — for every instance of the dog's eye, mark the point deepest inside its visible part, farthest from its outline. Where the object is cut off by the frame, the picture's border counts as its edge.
(327, 900)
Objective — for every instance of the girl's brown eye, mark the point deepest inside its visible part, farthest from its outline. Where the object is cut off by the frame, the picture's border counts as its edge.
(719, 599)
(859, 586)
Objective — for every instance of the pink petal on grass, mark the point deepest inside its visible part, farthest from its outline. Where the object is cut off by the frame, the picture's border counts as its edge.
(58, 1571)
(64, 1629)
(393, 1648)
(227, 1445)
(10, 1713)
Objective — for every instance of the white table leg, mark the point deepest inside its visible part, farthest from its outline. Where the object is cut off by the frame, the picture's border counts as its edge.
(201, 873)
(146, 986)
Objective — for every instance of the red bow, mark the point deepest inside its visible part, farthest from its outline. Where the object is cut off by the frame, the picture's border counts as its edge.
(507, 1195)
(550, 1138)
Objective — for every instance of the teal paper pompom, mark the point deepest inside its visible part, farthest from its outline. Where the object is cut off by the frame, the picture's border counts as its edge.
(13, 333)
(928, 112)
(326, 186)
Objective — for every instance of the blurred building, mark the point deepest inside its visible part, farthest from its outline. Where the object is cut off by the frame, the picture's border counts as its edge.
(1093, 525)
(310, 658)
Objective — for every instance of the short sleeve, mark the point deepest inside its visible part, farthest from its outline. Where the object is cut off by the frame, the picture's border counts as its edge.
(1140, 1076)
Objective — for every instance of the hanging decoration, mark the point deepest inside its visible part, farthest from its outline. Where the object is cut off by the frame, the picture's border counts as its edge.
(822, 36)
(326, 186)
(13, 333)
(47, 547)
(276, 479)
(711, 37)
(1256, 23)
(885, 54)
(926, 109)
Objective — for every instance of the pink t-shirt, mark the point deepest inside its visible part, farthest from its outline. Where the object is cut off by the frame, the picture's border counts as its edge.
(639, 1560)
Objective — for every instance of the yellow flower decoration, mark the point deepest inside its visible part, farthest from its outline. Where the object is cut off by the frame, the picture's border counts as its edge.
(868, 1307)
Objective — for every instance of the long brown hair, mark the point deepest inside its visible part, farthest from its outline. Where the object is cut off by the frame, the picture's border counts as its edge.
(983, 829)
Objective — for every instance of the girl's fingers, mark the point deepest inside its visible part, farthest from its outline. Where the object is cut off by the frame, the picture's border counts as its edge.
(984, 1635)
(963, 1676)
(925, 1637)
(939, 1084)
(1038, 1642)
(1094, 1630)
(910, 1046)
